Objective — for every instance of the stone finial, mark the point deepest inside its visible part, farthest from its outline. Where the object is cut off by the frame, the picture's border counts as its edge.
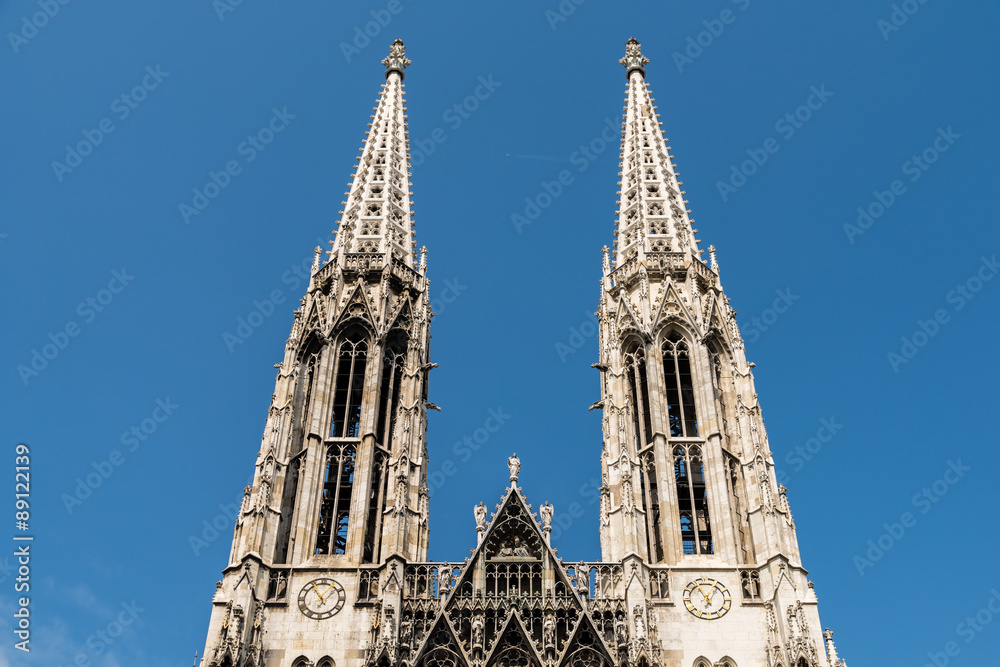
(634, 60)
(317, 251)
(606, 264)
(714, 261)
(423, 259)
(396, 60)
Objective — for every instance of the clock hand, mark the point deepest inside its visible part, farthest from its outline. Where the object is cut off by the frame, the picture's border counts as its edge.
(318, 594)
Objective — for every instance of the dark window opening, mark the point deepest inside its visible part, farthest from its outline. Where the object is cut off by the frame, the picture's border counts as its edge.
(692, 500)
(392, 380)
(651, 507)
(680, 390)
(331, 537)
(376, 506)
(350, 387)
(635, 370)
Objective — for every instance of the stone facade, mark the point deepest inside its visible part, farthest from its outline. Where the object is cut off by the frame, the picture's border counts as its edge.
(700, 562)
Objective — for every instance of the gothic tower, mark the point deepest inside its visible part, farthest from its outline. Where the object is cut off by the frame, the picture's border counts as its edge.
(340, 483)
(700, 564)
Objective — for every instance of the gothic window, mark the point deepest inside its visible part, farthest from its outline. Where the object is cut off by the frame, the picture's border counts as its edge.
(377, 191)
(659, 584)
(658, 227)
(338, 482)
(350, 385)
(656, 209)
(635, 373)
(288, 495)
(325, 662)
(393, 361)
(750, 582)
(680, 391)
(376, 506)
(374, 208)
(653, 190)
(277, 585)
(651, 507)
(647, 157)
(368, 588)
(650, 174)
(378, 175)
(692, 500)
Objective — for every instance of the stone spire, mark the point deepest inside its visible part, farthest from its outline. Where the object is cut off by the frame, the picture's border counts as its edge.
(652, 215)
(378, 212)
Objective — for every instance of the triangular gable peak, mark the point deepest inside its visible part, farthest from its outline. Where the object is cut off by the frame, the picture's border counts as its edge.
(514, 573)
(356, 307)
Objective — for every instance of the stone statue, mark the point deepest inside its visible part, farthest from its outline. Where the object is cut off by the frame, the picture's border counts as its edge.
(405, 632)
(444, 581)
(514, 464)
(520, 548)
(621, 632)
(549, 631)
(480, 512)
(546, 511)
(477, 631)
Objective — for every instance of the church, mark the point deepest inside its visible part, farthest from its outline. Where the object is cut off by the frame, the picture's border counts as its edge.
(700, 564)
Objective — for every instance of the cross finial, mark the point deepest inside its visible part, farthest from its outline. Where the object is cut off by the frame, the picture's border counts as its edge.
(397, 60)
(634, 60)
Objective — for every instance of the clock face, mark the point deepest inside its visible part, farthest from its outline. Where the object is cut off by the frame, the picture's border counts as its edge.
(707, 598)
(321, 598)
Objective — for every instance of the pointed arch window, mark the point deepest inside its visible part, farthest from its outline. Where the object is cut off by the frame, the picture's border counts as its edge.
(393, 362)
(335, 508)
(680, 390)
(638, 388)
(692, 500)
(349, 386)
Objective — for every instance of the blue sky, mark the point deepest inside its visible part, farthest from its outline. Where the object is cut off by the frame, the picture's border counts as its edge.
(98, 260)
